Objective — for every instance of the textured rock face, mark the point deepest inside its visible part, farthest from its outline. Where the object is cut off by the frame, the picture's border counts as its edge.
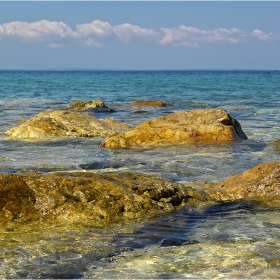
(262, 181)
(17, 200)
(74, 197)
(153, 103)
(101, 198)
(62, 123)
(203, 125)
(85, 105)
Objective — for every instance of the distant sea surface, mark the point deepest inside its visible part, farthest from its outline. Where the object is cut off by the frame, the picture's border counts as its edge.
(234, 240)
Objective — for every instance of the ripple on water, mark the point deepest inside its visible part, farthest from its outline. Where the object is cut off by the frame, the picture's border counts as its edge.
(227, 240)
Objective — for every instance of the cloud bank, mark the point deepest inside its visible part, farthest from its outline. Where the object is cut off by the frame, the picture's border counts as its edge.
(90, 34)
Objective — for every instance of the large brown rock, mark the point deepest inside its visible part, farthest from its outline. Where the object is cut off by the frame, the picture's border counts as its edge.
(203, 125)
(61, 123)
(85, 105)
(88, 197)
(152, 103)
(262, 181)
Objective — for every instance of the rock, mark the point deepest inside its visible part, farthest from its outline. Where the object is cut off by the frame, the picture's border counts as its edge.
(203, 125)
(61, 123)
(85, 105)
(87, 197)
(17, 199)
(278, 144)
(262, 181)
(153, 103)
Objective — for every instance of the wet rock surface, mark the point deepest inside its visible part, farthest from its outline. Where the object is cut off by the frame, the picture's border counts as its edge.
(262, 181)
(111, 196)
(80, 105)
(62, 123)
(202, 125)
(76, 197)
(152, 103)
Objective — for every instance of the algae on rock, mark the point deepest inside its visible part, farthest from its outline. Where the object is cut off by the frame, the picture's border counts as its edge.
(85, 105)
(61, 123)
(202, 125)
(82, 196)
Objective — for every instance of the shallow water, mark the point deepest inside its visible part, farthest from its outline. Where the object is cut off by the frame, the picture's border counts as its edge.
(234, 240)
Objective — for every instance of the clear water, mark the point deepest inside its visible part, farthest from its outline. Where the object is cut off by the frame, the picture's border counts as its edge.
(237, 240)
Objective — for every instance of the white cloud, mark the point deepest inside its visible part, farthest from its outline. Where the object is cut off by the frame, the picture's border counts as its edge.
(35, 30)
(262, 35)
(126, 31)
(96, 27)
(91, 43)
(192, 36)
(89, 33)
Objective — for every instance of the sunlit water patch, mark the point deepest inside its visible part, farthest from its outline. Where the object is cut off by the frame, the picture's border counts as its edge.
(229, 240)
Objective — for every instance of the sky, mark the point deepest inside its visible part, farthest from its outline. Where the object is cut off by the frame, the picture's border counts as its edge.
(143, 35)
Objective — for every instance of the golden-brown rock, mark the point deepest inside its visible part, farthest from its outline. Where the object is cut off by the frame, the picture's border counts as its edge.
(152, 103)
(203, 125)
(82, 196)
(61, 123)
(262, 181)
(17, 199)
(85, 105)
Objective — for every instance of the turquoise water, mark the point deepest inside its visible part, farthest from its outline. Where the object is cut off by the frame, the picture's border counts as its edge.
(237, 240)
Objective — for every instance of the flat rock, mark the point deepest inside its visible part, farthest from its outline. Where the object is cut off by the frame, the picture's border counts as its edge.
(82, 196)
(85, 105)
(62, 123)
(262, 181)
(153, 103)
(203, 125)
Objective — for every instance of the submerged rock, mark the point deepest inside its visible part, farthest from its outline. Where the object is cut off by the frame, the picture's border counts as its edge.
(153, 103)
(85, 105)
(61, 123)
(203, 125)
(262, 181)
(82, 196)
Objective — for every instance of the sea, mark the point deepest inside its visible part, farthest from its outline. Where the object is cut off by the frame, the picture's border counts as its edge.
(230, 240)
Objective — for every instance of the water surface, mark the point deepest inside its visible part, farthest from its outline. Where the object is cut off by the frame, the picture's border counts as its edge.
(231, 240)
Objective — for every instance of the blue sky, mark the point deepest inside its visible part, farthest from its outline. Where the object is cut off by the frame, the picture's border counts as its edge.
(140, 35)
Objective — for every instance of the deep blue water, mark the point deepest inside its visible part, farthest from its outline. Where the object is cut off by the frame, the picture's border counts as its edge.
(210, 242)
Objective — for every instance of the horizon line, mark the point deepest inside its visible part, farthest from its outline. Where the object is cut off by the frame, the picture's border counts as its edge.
(131, 69)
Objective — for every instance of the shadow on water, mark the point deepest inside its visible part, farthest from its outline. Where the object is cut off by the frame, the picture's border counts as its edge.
(173, 229)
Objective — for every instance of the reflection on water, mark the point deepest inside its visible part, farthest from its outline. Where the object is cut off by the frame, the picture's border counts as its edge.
(227, 240)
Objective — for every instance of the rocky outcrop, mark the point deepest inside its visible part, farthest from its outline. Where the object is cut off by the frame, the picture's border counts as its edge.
(97, 198)
(85, 105)
(61, 123)
(153, 103)
(203, 125)
(262, 181)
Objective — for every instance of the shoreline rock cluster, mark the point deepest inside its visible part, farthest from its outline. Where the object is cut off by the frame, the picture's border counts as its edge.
(180, 128)
(112, 196)
(102, 198)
